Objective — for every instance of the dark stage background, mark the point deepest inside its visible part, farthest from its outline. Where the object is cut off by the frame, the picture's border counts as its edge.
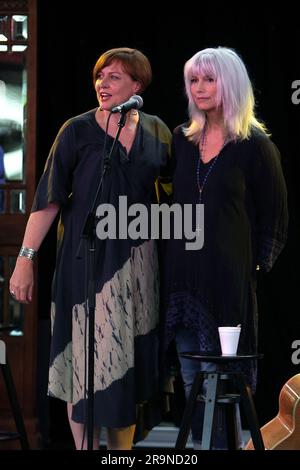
(69, 44)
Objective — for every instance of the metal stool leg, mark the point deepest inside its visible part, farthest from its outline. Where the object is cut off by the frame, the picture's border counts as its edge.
(14, 403)
(210, 404)
(188, 413)
(251, 415)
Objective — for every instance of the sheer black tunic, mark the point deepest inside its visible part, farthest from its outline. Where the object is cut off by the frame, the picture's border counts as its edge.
(245, 224)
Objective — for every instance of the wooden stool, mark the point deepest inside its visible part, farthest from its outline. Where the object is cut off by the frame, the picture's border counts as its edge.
(14, 403)
(217, 384)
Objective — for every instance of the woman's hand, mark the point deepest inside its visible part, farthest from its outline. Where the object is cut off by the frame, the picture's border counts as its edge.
(22, 280)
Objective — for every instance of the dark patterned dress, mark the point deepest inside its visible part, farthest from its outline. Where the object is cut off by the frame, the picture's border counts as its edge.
(245, 224)
(127, 280)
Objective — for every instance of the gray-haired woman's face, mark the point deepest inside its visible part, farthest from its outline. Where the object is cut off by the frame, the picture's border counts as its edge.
(203, 89)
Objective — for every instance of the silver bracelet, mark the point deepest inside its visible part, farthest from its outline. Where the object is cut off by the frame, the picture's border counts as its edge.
(28, 253)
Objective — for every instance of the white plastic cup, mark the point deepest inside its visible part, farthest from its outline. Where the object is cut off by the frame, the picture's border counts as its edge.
(229, 339)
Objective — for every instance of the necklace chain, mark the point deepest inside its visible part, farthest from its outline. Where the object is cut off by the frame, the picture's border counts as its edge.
(214, 161)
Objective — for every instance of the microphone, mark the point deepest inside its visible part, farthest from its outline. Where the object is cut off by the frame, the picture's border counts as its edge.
(135, 102)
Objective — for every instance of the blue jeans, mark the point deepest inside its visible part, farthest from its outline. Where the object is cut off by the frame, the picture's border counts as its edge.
(187, 340)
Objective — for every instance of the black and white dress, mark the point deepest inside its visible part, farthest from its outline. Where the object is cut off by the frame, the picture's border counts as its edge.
(127, 279)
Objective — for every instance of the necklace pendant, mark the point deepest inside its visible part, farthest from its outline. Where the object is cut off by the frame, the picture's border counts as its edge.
(200, 194)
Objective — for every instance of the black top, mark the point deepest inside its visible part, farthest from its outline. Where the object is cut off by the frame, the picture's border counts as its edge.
(245, 210)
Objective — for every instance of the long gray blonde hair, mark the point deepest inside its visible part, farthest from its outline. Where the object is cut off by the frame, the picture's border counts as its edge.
(234, 93)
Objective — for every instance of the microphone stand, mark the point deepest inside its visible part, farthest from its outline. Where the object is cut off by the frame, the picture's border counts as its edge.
(88, 234)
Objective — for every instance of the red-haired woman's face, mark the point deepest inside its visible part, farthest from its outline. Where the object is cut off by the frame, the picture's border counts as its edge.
(114, 86)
